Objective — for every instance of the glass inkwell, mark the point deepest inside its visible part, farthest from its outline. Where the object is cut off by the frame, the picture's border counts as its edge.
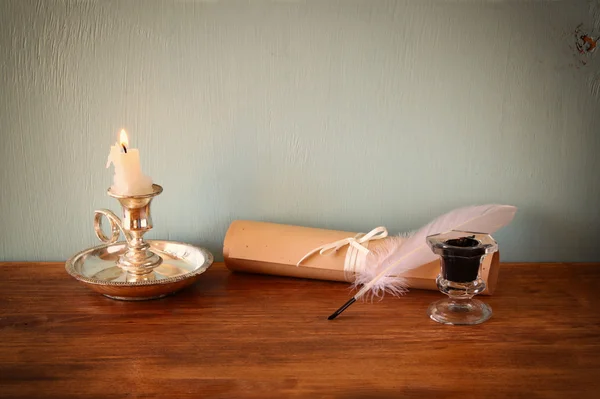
(461, 255)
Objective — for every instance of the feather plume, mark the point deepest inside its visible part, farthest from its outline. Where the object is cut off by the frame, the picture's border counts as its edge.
(385, 265)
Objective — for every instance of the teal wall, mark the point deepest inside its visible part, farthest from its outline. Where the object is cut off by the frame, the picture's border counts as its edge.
(342, 115)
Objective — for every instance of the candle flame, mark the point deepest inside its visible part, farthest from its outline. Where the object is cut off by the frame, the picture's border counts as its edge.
(123, 139)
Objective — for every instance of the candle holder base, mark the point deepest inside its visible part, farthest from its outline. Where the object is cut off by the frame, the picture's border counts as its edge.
(100, 269)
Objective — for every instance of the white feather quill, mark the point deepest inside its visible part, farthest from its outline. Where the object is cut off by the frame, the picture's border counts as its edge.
(384, 266)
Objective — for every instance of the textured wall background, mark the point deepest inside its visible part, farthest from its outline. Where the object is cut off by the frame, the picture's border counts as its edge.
(344, 115)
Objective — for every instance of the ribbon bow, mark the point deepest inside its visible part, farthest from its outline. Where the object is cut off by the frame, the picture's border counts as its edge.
(353, 243)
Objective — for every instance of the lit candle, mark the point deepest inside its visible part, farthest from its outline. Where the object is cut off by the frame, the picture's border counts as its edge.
(128, 178)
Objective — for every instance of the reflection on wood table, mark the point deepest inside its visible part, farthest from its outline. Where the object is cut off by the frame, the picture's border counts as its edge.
(251, 336)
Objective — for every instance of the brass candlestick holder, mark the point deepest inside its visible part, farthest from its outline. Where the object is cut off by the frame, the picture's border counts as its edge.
(136, 269)
(139, 261)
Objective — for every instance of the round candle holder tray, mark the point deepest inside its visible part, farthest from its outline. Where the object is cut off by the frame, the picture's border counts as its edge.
(98, 268)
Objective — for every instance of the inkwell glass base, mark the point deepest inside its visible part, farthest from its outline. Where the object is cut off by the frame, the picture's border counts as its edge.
(461, 255)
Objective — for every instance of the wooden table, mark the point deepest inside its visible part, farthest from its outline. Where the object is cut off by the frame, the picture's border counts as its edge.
(249, 336)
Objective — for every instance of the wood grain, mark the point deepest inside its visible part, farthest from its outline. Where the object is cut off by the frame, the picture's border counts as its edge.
(249, 336)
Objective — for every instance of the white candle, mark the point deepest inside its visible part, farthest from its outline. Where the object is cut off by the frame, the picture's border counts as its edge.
(128, 178)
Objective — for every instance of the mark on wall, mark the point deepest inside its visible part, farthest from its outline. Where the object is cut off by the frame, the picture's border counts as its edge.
(585, 44)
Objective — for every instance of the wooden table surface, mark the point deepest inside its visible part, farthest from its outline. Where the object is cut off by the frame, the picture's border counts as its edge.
(250, 336)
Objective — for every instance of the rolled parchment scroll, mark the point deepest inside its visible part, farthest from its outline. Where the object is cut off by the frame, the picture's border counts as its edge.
(276, 249)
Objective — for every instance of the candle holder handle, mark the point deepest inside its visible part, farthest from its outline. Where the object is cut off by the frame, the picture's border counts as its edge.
(116, 227)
